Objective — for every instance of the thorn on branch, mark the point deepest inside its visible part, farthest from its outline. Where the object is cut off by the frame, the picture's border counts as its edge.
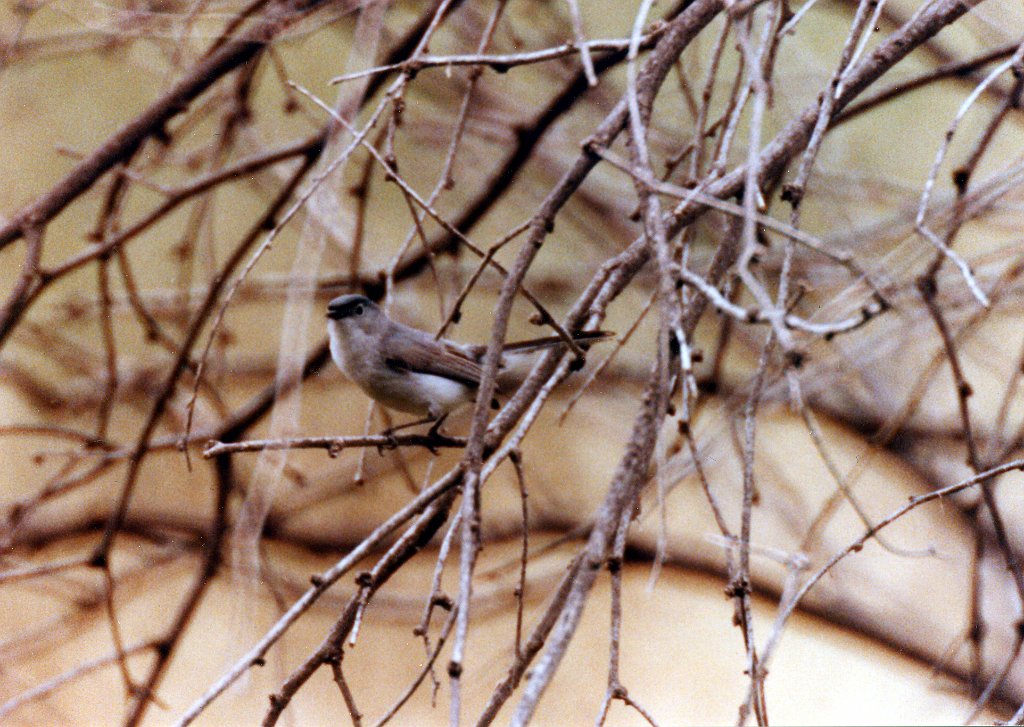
(961, 177)
(737, 588)
(591, 147)
(162, 136)
(412, 69)
(540, 318)
(792, 193)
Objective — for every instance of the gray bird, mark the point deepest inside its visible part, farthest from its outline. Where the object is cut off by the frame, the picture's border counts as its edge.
(409, 370)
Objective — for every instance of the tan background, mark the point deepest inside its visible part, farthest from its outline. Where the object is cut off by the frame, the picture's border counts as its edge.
(862, 651)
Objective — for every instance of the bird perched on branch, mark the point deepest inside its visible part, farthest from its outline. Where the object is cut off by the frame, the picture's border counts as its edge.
(409, 370)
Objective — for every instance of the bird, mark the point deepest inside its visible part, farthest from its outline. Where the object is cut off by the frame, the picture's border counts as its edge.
(411, 371)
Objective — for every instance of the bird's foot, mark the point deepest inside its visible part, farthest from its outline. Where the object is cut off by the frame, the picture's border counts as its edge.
(435, 434)
(391, 440)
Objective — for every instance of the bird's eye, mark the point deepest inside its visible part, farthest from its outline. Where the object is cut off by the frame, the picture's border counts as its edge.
(357, 310)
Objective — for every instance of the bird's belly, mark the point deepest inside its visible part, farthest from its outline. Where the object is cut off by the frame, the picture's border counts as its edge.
(417, 393)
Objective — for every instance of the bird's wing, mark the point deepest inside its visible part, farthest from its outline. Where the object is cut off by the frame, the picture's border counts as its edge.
(414, 350)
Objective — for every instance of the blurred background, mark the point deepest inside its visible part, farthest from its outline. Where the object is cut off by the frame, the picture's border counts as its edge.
(824, 324)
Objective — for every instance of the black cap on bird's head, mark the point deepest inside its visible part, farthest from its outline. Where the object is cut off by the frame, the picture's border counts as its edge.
(346, 306)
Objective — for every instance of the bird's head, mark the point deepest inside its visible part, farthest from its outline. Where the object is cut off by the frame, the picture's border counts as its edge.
(349, 312)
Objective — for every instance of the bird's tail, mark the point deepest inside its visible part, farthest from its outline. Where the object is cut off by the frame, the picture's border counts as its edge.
(583, 338)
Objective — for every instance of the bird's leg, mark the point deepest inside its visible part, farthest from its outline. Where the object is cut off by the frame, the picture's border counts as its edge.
(391, 430)
(435, 429)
